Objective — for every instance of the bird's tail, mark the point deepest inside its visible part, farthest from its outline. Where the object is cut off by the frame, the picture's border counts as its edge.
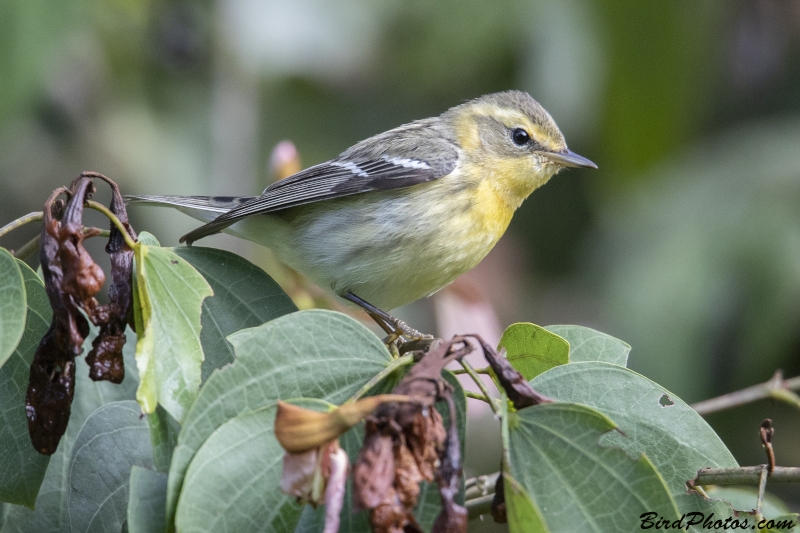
(204, 208)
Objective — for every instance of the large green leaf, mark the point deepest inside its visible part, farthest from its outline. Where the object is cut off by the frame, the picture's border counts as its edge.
(522, 514)
(12, 305)
(113, 439)
(232, 484)
(531, 349)
(51, 514)
(244, 297)
(22, 468)
(147, 499)
(745, 498)
(163, 436)
(654, 422)
(586, 344)
(168, 298)
(321, 353)
(577, 483)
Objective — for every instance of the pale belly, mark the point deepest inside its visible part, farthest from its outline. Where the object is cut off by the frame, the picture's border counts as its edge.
(389, 248)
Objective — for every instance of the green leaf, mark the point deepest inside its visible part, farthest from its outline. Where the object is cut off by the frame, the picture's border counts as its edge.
(522, 515)
(780, 524)
(22, 468)
(554, 452)
(113, 439)
(674, 437)
(587, 344)
(148, 239)
(655, 422)
(745, 498)
(169, 294)
(12, 305)
(147, 500)
(244, 297)
(51, 514)
(321, 353)
(531, 349)
(163, 436)
(232, 485)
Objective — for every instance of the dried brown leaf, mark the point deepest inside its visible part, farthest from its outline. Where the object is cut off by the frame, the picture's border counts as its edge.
(406, 443)
(72, 279)
(518, 390)
(373, 474)
(69, 279)
(105, 359)
(335, 491)
(298, 429)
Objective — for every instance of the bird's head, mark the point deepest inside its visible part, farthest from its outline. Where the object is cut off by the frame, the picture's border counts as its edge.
(511, 135)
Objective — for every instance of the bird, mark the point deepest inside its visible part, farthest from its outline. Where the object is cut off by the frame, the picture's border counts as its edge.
(400, 215)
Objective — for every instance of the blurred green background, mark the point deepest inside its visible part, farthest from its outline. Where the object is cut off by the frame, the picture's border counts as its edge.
(685, 243)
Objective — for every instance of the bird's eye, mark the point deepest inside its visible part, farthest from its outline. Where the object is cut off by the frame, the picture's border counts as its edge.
(520, 137)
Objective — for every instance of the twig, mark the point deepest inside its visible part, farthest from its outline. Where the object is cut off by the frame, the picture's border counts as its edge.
(776, 388)
(766, 432)
(21, 221)
(762, 487)
(96, 232)
(476, 396)
(377, 378)
(33, 245)
(28, 248)
(460, 371)
(480, 486)
(479, 382)
(479, 506)
(745, 475)
(113, 218)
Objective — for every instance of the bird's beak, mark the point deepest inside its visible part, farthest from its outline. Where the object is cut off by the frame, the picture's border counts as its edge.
(568, 158)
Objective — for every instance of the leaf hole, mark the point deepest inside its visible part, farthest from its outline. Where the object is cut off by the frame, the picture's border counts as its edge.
(664, 401)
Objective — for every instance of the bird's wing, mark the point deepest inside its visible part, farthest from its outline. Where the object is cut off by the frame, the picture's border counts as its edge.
(332, 179)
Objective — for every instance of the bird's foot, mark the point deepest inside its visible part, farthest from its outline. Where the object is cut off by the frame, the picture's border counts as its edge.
(397, 330)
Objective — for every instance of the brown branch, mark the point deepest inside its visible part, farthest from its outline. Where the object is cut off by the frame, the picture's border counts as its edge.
(776, 388)
(745, 475)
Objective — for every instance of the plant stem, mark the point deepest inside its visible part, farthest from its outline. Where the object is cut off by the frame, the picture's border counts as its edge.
(746, 475)
(460, 371)
(776, 388)
(479, 382)
(762, 487)
(99, 232)
(113, 218)
(24, 251)
(480, 486)
(28, 248)
(377, 378)
(21, 221)
(479, 506)
(476, 396)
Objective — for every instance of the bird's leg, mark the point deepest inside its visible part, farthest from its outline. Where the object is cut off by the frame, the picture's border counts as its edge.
(394, 327)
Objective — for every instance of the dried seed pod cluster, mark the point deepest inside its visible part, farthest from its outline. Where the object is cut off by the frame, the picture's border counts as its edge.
(407, 443)
(72, 279)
